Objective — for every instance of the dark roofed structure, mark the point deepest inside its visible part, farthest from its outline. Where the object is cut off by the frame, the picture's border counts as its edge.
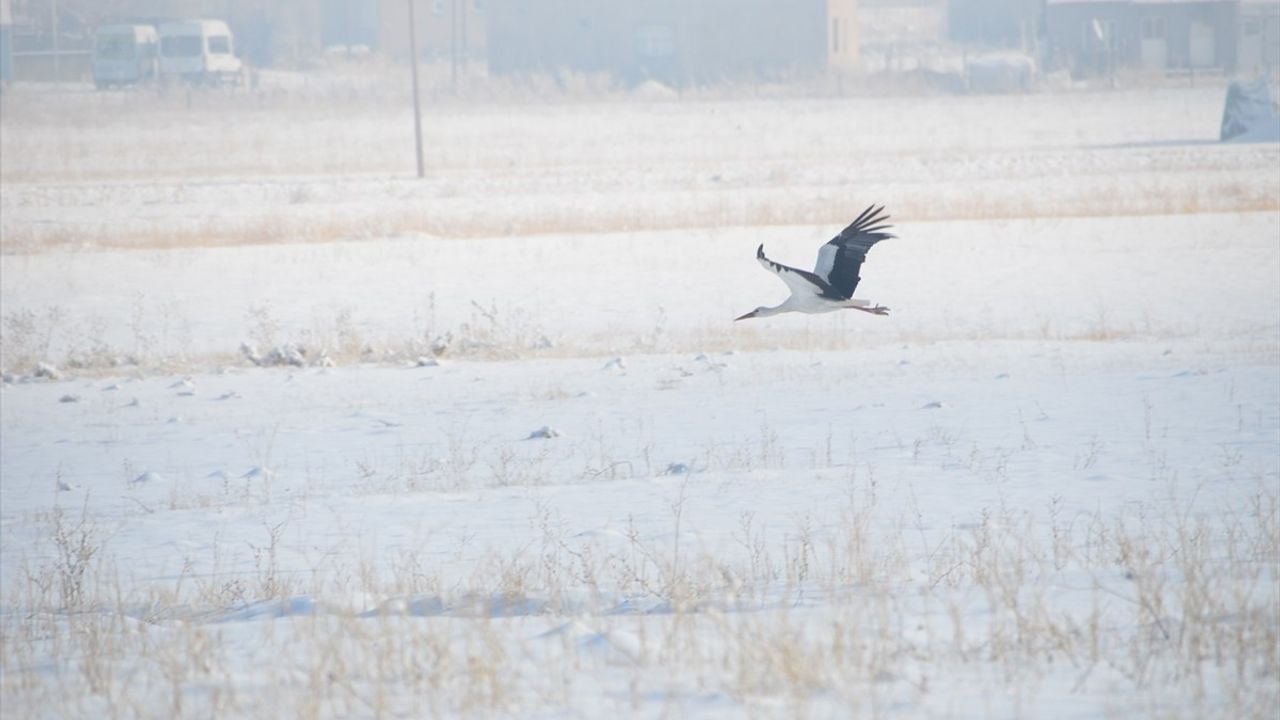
(1095, 37)
(674, 41)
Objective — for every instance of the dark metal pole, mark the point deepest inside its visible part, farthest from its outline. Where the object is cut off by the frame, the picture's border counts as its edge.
(57, 51)
(453, 46)
(417, 105)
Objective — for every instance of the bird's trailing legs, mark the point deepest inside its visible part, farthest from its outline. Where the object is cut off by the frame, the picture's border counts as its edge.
(877, 310)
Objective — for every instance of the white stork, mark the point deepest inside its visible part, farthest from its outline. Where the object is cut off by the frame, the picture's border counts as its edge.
(830, 286)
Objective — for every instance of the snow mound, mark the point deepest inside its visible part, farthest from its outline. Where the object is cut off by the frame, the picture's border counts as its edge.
(283, 355)
(147, 478)
(546, 432)
(469, 605)
(654, 90)
(424, 606)
(611, 645)
(299, 606)
(48, 372)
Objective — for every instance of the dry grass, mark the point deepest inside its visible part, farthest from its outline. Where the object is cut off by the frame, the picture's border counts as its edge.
(445, 218)
(334, 162)
(489, 334)
(1172, 610)
(1155, 609)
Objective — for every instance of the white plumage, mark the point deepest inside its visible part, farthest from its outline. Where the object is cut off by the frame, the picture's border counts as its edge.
(835, 275)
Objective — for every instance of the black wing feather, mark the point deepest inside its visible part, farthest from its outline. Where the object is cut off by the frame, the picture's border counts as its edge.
(840, 260)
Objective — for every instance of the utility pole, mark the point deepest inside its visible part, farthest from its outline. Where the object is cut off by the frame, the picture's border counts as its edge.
(57, 55)
(453, 46)
(417, 105)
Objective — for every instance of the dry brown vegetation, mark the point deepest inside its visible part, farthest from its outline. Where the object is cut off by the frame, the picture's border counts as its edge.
(1168, 611)
(322, 162)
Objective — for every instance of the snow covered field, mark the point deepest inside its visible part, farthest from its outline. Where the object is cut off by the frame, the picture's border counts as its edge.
(511, 458)
(90, 171)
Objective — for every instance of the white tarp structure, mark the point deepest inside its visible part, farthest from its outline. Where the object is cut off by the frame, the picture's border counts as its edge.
(1001, 73)
(1249, 114)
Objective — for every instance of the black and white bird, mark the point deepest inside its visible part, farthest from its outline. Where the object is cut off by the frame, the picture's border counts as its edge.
(831, 284)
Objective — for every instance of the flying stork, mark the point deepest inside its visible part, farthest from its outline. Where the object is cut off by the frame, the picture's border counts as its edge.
(830, 286)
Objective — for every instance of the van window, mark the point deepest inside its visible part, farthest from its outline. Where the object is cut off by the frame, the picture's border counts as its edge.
(182, 45)
(220, 44)
(115, 47)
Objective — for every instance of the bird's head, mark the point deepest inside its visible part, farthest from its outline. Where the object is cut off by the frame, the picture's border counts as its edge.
(753, 313)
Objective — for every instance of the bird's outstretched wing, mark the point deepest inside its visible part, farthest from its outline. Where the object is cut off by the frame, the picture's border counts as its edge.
(801, 282)
(841, 258)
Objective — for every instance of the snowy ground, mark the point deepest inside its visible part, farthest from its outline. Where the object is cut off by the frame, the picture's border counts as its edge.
(83, 172)
(1047, 485)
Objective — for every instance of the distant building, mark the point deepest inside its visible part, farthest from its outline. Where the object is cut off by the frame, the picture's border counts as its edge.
(6, 43)
(674, 41)
(45, 41)
(292, 33)
(1007, 24)
(266, 31)
(1258, 38)
(1094, 37)
(446, 29)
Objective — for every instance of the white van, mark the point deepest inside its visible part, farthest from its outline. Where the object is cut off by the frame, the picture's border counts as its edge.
(199, 51)
(125, 55)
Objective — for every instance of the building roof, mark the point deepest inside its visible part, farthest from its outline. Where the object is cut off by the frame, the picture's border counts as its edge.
(1156, 2)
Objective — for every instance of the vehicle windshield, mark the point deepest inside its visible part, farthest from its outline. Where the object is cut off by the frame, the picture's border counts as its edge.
(114, 47)
(219, 44)
(182, 45)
